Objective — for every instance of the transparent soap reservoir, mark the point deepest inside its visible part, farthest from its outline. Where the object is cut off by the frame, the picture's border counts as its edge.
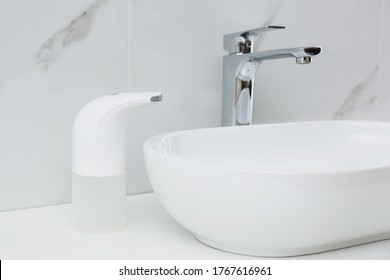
(99, 203)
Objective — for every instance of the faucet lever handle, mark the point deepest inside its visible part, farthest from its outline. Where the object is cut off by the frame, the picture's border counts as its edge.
(242, 42)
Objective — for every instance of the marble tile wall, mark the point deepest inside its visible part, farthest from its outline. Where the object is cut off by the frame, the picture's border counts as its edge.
(341, 83)
(383, 101)
(56, 55)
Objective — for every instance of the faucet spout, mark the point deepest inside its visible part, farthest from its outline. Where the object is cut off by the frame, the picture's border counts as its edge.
(301, 54)
(239, 70)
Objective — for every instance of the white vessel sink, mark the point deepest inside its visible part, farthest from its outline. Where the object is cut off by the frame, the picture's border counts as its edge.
(278, 189)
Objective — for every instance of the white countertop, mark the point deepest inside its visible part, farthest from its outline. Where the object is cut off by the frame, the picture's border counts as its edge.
(45, 233)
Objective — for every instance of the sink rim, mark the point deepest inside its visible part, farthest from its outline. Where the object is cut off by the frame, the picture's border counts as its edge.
(151, 142)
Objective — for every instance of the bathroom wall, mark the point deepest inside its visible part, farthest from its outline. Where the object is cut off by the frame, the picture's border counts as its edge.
(57, 55)
(342, 82)
(54, 57)
(383, 102)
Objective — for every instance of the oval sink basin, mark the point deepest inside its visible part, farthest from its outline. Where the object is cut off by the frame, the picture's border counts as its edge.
(278, 189)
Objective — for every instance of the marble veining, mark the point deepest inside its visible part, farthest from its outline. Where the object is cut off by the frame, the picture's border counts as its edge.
(352, 100)
(76, 30)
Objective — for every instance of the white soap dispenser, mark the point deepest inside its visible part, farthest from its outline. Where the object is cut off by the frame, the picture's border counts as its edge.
(99, 161)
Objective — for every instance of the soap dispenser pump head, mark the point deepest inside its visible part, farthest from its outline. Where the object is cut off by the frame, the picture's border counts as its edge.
(99, 133)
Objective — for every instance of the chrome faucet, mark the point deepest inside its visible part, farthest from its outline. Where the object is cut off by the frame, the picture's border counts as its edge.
(239, 70)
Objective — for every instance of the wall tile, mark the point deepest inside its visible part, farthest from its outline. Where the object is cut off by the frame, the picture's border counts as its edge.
(383, 101)
(55, 57)
(341, 82)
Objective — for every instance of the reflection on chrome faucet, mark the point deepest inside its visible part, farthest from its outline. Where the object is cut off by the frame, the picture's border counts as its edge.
(239, 70)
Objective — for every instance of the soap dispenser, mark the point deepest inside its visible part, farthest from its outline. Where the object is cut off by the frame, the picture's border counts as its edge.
(99, 161)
